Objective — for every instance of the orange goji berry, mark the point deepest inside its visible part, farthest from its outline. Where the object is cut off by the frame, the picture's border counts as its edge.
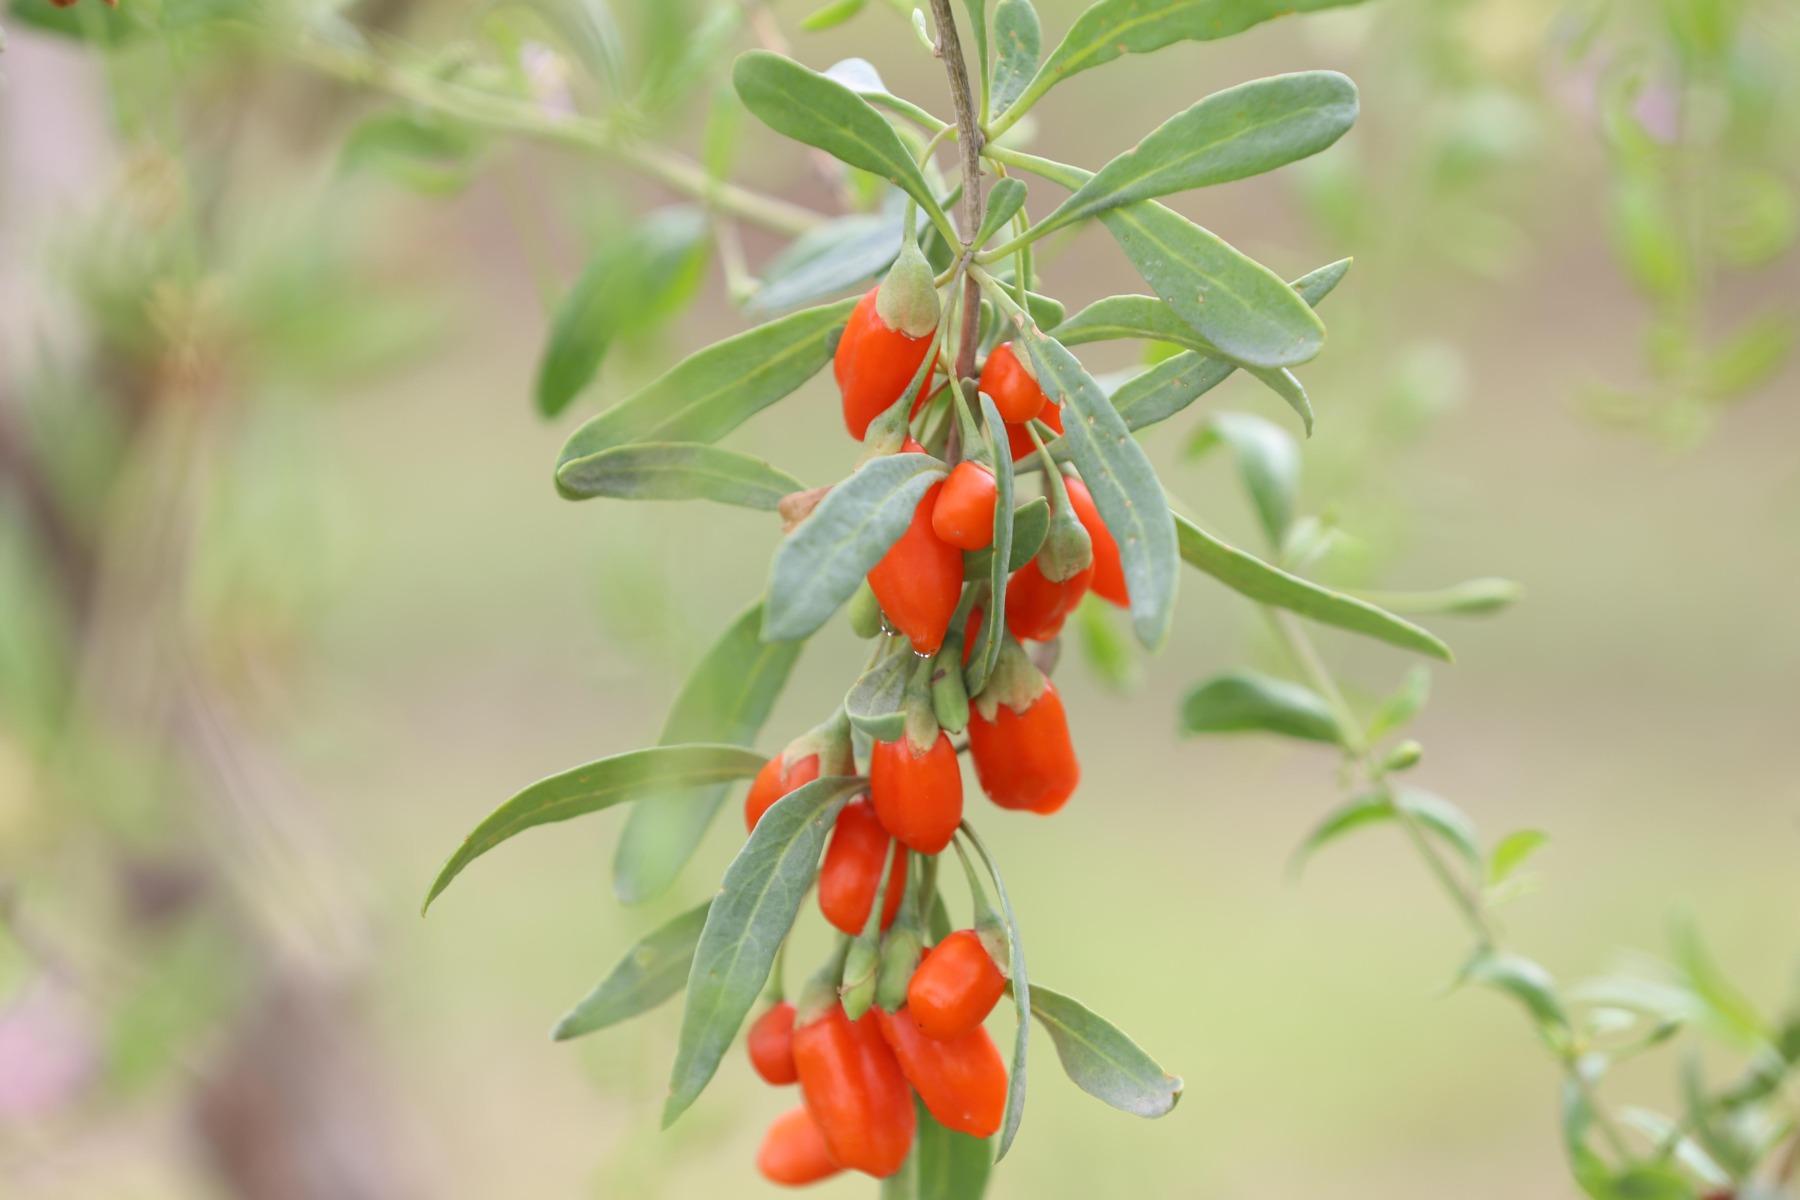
(1025, 760)
(962, 1081)
(919, 580)
(918, 797)
(775, 780)
(771, 1045)
(794, 1152)
(874, 364)
(1012, 386)
(851, 872)
(964, 513)
(1036, 607)
(855, 1090)
(955, 987)
(1109, 571)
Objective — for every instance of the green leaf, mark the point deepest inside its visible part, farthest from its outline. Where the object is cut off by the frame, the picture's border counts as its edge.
(1401, 707)
(1172, 385)
(1257, 580)
(978, 36)
(1237, 304)
(835, 13)
(1284, 384)
(986, 655)
(827, 555)
(727, 698)
(1233, 134)
(1244, 701)
(1003, 203)
(1524, 980)
(1115, 27)
(1031, 524)
(1020, 987)
(1101, 1060)
(949, 1165)
(677, 471)
(749, 918)
(824, 261)
(711, 393)
(1446, 820)
(1474, 597)
(1018, 43)
(1123, 483)
(1732, 1014)
(821, 112)
(876, 704)
(598, 785)
(423, 151)
(1367, 809)
(1512, 852)
(627, 286)
(1267, 460)
(651, 971)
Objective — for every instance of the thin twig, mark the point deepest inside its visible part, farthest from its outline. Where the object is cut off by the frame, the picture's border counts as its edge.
(969, 138)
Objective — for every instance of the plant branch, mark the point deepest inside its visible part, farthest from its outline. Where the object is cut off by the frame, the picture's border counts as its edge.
(508, 115)
(969, 139)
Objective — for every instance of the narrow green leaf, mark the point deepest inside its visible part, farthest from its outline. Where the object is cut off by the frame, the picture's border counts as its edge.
(822, 561)
(1446, 820)
(727, 699)
(628, 283)
(1112, 28)
(1018, 43)
(1367, 809)
(824, 261)
(1242, 131)
(876, 703)
(1246, 702)
(1400, 708)
(833, 14)
(1101, 1060)
(1268, 462)
(1113, 318)
(677, 471)
(1021, 990)
(748, 920)
(1475, 597)
(711, 393)
(1512, 852)
(1732, 1014)
(1284, 384)
(651, 972)
(978, 37)
(1031, 524)
(1237, 304)
(1000, 554)
(1123, 483)
(1251, 577)
(1172, 385)
(821, 112)
(1004, 200)
(1524, 980)
(949, 1165)
(598, 785)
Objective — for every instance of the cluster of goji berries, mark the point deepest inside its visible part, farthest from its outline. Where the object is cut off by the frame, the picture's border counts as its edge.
(889, 1017)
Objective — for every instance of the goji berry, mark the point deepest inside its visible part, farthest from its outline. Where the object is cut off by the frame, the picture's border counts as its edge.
(851, 873)
(964, 512)
(919, 580)
(955, 987)
(874, 364)
(1012, 386)
(1109, 570)
(771, 1045)
(775, 780)
(1036, 607)
(1025, 760)
(794, 1151)
(961, 1081)
(855, 1090)
(1020, 441)
(917, 796)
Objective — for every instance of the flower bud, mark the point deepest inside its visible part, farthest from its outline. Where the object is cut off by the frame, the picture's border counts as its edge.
(908, 299)
(864, 612)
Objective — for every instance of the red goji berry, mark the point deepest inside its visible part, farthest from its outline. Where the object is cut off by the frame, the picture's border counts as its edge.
(1036, 607)
(855, 1090)
(851, 873)
(771, 1045)
(961, 1081)
(917, 796)
(919, 580)
(794, 1152)
(1020, 441)
(1025, 760)
(964, 513)
(775, 780)
(874, 365)
(1012, 386)
(955, 987)
(1108, 582)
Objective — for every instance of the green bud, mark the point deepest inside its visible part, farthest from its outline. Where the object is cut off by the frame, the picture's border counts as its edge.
(899, 959)
(949, 699)
(865, 612)
(908, 299)
(821, 991)
(858, 991)
(1403, 757)
(1067, 550)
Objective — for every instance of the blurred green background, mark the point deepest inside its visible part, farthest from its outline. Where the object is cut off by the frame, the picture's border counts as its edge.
(361, 617)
